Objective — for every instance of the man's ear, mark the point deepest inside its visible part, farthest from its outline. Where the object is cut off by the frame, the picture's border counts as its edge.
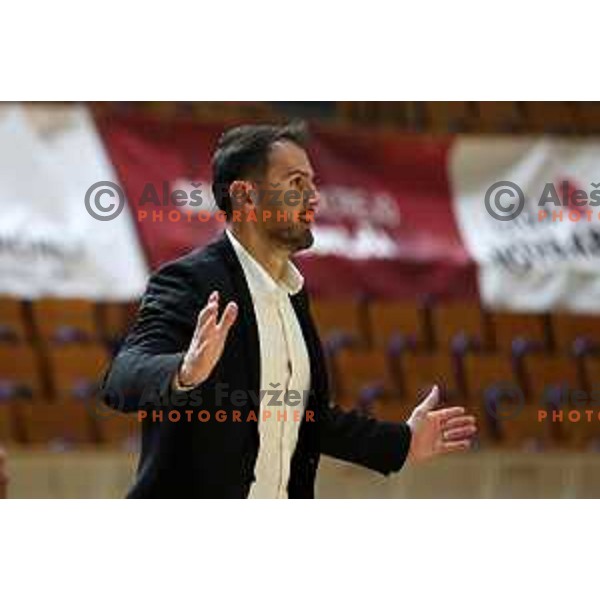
(243, 194)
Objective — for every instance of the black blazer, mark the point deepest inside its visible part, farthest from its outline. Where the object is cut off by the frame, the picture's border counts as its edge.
(187, 458)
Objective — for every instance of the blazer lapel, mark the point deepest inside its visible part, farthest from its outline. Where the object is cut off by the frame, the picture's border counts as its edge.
(247, 325)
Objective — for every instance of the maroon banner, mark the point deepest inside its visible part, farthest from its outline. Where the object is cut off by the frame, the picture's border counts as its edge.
(385, 226)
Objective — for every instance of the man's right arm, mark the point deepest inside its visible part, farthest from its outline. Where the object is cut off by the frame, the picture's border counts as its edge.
(154, 348)
(172, 342)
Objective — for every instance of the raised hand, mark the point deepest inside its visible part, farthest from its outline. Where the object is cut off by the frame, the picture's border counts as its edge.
(207, 343)
(436, 432)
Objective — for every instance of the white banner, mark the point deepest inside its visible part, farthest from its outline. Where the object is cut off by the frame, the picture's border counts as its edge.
(529, 213)
(50, 245)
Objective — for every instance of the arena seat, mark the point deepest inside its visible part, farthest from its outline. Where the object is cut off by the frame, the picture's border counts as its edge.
(56, 425)
(397, 321)
(544, 374)
(449, 117)
(591, 376)
(419, 372)
(358, 372)
(587, 117)
(582, 434)
(13, 322)
(342, 321)
(549, 117)
(485, 372)
(65, 320)
(487, 433)
(524, 431)
(453, 319)
(569, 328)
(20, 372)
(117, 430)
(76, 369)
(114, 319)
(8, 433)
(506, 327)
(498, 117)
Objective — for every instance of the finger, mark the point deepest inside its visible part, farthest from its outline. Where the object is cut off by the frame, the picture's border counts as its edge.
(444, 414)
(208, 329)
(207, 313)
(211, 304)
(459, 433)
(210, 307)
(459, 421)
(431, 401)
(456, 446)
(228, 318)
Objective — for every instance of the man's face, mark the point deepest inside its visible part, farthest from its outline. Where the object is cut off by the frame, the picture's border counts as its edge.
(287, 197)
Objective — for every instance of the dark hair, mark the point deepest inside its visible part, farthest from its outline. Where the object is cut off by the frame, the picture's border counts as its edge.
(243, 152)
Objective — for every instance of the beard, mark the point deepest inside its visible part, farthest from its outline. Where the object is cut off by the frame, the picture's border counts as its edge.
(294, 237)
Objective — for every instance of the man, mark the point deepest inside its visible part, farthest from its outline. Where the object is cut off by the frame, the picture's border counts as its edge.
(230, 324)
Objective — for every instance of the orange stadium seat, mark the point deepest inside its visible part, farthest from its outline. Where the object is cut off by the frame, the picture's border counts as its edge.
(591, 376)
(20, 372)
(568, 328)
(389, 320)
(582, 431)
(487, 433)
(587, 117)
(449, 117)
(451, 319)
(507, 327)
(362, 113)
(64, 320)
(131, 313)
(543, 372)
(76, 369)
(13, 323)
(419, 372)
(483, 372)
(60, 424)
(356, 371)
(115, 319)
(525, 431)
(549, 117)
(115, 429)
(8, 432)
(489, 378)
(340, 319)
(498, 117)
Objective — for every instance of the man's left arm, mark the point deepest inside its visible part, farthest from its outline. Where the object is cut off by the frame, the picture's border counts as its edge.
(385, 447)
(357, 438)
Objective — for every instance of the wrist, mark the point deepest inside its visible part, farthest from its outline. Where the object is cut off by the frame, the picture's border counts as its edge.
(182, 381)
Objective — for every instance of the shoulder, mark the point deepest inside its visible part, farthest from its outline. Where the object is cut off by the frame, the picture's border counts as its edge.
(195, 272)
(196, 262)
